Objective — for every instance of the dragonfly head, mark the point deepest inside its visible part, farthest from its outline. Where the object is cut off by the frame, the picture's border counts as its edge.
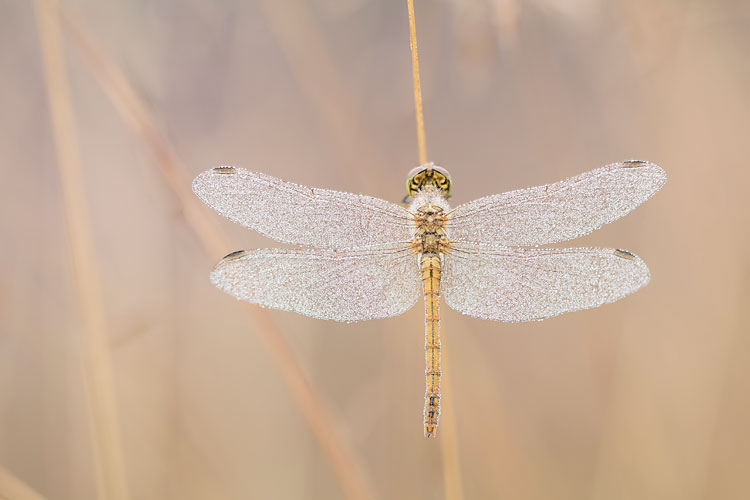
(428, 174)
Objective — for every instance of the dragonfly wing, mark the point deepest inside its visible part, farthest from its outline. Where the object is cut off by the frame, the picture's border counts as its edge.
(343, 285)
(517, 284)
(560, 211)
(301, 215)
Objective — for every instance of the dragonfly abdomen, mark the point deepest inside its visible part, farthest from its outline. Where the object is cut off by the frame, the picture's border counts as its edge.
(431, 271)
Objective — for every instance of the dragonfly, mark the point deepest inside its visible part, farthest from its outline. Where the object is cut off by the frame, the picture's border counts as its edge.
(365, 258)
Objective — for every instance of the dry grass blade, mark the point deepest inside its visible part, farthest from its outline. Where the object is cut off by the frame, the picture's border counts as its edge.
(129, 104)
(12, 488)
(96, 356)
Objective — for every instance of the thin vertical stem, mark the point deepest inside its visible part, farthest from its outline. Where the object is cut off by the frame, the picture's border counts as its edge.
(417, 85)
(97, 364)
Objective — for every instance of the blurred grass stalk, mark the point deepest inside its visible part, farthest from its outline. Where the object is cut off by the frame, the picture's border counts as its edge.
(452, 483)
(12, 488)
(97, 366)
(344, 464)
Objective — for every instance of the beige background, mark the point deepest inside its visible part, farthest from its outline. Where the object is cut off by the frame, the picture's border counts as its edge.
(647, 398)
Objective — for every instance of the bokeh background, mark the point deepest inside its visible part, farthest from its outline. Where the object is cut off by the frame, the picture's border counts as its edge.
(125, 374)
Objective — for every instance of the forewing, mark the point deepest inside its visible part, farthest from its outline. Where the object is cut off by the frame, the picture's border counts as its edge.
(342, 285)
(557, 212)
(516, 284)
(301, 215)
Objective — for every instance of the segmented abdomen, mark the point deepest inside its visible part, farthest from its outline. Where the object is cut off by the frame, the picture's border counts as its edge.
(431, 272)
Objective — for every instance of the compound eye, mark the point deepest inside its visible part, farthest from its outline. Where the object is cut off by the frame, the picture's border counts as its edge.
(428, 174)
(442, 171)
(414, 171)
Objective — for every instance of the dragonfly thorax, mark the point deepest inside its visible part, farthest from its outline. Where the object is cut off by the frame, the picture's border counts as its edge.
(429, 208)
(431, 243)
(429, 218)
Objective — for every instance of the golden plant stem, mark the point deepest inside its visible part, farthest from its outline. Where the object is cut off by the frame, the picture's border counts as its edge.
(12, 488)
(97, 366)
(345, 466)
(417, 85)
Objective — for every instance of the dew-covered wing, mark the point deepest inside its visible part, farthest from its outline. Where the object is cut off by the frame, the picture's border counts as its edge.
(517, 284)
(343, 285)
(560, 211)
(301, 215)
